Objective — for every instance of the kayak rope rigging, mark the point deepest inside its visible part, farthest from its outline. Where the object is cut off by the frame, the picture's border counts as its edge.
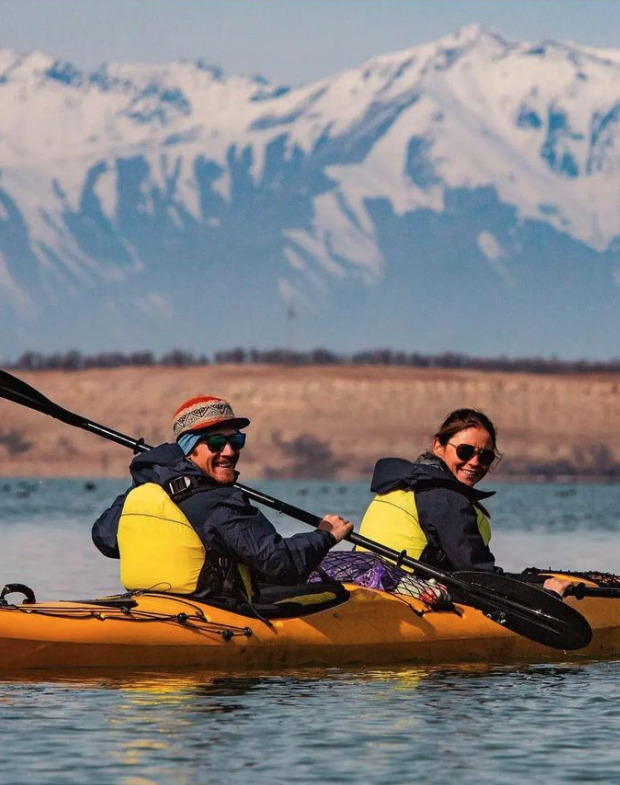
(195, 620)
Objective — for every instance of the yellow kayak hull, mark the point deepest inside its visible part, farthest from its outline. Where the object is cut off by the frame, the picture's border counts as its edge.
(371, 627)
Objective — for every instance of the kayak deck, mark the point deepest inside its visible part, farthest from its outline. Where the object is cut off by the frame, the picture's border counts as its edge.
(159, 631)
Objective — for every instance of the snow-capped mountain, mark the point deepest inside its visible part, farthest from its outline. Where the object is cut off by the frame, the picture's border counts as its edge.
(461, 195)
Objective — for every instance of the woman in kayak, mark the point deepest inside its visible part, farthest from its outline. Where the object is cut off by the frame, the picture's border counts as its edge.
(430, 507)
(184, 528)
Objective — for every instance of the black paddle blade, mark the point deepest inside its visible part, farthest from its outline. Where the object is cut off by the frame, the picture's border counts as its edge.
(12, 386)
(16, 390)
(523, 608)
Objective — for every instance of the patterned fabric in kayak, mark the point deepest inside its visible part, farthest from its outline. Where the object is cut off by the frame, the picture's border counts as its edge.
(374, 572)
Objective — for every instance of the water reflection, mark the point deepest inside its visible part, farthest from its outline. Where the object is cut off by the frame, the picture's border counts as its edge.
(317, 725)
(158, 687)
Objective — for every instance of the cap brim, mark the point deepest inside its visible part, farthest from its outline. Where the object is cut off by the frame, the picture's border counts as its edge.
(229, 422)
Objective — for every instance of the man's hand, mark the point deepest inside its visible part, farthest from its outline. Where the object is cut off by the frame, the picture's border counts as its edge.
(337, 526)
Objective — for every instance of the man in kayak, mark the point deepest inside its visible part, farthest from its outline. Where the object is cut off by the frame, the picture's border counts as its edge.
(183, 527)
(430, 508)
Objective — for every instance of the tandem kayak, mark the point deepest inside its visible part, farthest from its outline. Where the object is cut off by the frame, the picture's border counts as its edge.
(367, 626)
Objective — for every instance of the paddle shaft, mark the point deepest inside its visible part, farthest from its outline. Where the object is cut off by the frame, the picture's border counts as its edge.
(558, 626)
(581, 590)
(357, 539)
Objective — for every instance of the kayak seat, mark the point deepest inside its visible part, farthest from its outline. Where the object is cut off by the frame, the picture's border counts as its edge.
(278, 602)
(283, 602)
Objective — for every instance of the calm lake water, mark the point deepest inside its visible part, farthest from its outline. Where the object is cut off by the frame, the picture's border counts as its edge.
(465, 725)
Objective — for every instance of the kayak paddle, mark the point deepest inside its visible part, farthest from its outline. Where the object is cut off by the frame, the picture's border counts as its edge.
(520, 607)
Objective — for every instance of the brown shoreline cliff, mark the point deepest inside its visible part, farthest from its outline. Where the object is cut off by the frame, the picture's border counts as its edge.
(322, 421)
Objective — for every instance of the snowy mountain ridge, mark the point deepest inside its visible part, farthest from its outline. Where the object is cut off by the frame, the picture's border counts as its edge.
(107, 176)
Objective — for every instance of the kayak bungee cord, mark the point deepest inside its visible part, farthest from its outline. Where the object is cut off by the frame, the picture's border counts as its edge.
(195, 619)
(522, 608)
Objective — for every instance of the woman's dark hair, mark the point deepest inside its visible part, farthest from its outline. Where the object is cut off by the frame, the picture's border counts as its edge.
(461, 419)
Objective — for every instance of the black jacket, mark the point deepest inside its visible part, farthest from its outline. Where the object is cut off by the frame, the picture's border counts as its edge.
(446, 511)
(223, 518)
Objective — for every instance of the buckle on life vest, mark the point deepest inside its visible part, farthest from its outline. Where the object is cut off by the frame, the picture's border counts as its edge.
(179, 486)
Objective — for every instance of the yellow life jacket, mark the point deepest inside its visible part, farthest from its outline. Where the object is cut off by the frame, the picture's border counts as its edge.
(392, 519)
(159, 548)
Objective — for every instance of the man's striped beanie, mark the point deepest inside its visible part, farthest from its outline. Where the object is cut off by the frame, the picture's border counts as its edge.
(204, 412)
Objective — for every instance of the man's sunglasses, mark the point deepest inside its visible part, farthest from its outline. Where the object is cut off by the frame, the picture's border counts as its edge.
(217, 441)
(465, 452)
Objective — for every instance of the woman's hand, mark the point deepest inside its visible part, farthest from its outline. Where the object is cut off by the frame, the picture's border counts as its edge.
(556, 585)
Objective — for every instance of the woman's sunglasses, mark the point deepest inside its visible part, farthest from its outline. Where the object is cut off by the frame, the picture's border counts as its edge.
(465, 452)
(217, 441)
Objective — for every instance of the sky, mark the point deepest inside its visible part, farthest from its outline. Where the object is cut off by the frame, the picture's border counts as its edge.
(287, 41)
